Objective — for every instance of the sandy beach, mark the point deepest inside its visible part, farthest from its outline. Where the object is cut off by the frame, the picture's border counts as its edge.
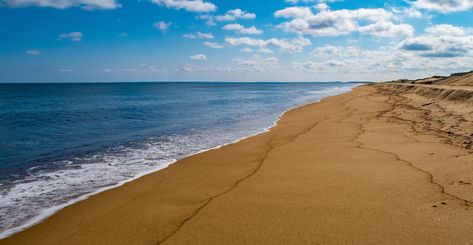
(387, 163)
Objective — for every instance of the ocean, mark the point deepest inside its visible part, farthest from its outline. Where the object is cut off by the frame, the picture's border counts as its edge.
(60, 143)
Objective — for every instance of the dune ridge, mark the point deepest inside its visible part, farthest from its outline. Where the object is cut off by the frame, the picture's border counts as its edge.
(445, 106)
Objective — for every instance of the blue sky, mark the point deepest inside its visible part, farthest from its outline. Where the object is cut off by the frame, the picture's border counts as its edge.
(232, 40)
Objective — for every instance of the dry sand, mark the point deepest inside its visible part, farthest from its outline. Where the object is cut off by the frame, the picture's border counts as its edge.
(358, 168)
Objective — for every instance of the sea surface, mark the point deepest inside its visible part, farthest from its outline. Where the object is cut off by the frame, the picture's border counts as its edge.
(60, 143)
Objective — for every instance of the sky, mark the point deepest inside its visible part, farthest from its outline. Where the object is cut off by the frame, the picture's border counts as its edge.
(233, 40)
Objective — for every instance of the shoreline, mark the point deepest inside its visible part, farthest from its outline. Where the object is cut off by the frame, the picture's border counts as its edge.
(45, 214)
(346, 169)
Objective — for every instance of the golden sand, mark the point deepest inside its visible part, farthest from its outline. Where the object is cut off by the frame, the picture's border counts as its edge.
(358, 168)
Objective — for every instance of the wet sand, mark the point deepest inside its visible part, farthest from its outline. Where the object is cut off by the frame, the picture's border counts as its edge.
(364, 167)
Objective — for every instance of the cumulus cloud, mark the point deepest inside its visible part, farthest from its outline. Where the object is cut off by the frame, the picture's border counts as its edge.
(444, 29)
(387, 29)
(248, 41)
(199, 35)
(63, 4)
(441, 41)
(365, 61)
(334, 63)
(257, 64)
(213, 45)
(241, 29)
(336, 51)
(321, 6)
(320, 66)
(198, 57)
(309, 65)
(235, 14)
(410, 12)
(162, 25)
(230, 15)
(443, 6)
(376, 22)
(209, 19)
(188, 5)
(75, 36)
(295, 45)
(408, 59)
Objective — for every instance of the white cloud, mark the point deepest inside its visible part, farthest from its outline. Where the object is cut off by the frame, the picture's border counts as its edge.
(442, 49)
(387, 29)
(441, 41)
(75, 36)
(321, 6)
(248, 41)
(412, 13)
(320, 66)
(33, 52)
(295, 45)
(235, 14)
(198, 57)
(162, 25)
(241, 29)
(311, 65)
(416, 57)
(334, 63)
(209, 19)
(63, 4)
(336, 51)
(230, 15)
(257, 62)
(213, 45)
(376, 22)
(272, 61)
(294, 12)
(199, 35)
(188, 5)
(444, 6)
(248, 63)
(389, 61)
(444, 29)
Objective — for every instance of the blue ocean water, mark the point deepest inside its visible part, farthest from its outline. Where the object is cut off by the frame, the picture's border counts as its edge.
(60, 143)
